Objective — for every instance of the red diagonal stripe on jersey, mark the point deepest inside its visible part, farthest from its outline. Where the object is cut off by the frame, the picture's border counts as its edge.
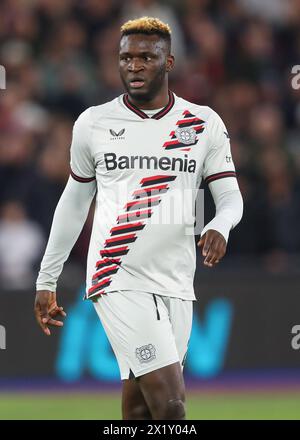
(187, 113)
(156, 179)
(168, 143)
(104, 266)
(122, 229)
(198, 128)
(119, 238)
(105, 252)
(148, 190)
(180, 145)
(188, 121)
(104, 271)
(107, 262)
(119, 242)
(145, 180)
(149, 201)
(131, 215)
(103, 283)
(185, 149)
(91, 290)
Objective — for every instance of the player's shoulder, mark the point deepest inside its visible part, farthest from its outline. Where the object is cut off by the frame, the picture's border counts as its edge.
(202, 111)
(94, 113)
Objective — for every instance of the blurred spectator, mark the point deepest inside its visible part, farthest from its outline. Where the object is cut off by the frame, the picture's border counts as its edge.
(271, 10)
(21, 244)
(51, 174)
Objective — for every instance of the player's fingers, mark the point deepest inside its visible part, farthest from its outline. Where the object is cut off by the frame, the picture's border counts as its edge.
(207, 245)
(212, 255)
(42, 324)
(57, 311)
(210, 259)
(46, 330)
(220, 248)
(52, 321)
(44, 310)
(40, 311)
(62, 313)
(216, 253)
(201, 241)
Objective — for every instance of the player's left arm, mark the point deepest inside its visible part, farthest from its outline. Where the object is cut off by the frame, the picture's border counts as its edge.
(219, 173)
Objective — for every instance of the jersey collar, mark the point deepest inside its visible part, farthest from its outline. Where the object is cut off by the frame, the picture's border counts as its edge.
(143, 115)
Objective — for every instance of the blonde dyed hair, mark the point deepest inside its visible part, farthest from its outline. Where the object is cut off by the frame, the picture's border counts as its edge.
(146, 25)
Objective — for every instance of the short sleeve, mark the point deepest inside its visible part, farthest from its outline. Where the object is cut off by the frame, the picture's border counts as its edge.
(82, 164)
(218, 163)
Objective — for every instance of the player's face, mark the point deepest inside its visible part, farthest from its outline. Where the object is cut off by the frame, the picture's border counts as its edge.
(143, 64)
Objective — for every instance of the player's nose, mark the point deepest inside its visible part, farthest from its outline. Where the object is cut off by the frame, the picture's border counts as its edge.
(135, 65)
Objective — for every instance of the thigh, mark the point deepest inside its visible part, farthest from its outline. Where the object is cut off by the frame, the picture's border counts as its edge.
(134, 406)
(162, 386)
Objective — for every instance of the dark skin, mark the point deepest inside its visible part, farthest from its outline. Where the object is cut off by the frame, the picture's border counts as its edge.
(46, 310)
(144, 64)
(213, 246)
(146, 58)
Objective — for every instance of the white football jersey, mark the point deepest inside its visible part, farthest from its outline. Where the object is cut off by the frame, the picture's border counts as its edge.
(148, 170)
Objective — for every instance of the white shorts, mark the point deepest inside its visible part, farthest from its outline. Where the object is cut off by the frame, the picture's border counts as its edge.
(146, 331)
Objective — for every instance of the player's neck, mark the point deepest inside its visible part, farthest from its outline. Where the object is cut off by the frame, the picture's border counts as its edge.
(159, 101)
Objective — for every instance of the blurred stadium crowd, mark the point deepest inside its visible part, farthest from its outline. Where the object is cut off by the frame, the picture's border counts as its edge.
(60, 57)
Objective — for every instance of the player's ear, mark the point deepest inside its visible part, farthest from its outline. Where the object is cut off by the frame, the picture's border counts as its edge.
(170, 62)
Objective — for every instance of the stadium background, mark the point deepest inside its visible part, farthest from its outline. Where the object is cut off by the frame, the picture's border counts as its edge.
(235, 56)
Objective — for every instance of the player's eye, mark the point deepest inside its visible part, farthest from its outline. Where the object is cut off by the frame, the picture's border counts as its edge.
(147, 58)
(126, 59)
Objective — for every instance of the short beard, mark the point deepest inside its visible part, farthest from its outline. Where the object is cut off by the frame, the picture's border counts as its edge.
(154, 87)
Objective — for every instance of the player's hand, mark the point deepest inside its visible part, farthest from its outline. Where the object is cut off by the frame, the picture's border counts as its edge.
(213, 247)
(46, 309)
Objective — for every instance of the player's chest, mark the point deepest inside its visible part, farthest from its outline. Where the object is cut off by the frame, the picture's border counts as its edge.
(150, 145)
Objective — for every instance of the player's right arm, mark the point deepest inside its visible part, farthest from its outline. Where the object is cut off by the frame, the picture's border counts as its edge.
(69, 217)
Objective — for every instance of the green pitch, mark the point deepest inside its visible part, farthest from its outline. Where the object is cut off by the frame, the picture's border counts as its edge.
(276, 405)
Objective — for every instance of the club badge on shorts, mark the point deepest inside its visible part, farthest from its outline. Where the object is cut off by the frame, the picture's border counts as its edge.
(186, 135)
(145, 353)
